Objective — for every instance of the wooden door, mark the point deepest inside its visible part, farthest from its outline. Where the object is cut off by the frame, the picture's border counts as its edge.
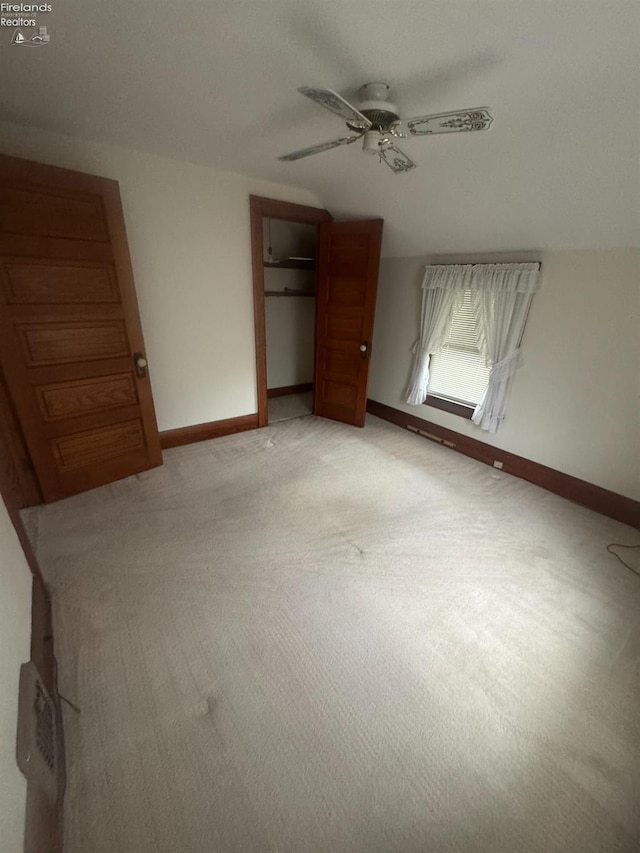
(70, 330)
(348, 262)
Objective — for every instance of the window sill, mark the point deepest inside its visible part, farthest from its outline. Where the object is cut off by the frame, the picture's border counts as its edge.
(451, 406)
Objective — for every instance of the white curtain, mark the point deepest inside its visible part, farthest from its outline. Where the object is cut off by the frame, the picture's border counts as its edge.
(442, 288)
(501, 296)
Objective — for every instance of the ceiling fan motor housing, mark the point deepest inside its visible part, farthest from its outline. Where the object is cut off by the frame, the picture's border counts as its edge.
(374, 105)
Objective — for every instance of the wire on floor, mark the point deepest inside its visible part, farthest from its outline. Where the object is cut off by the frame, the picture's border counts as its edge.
(70, 703)
(618, 557)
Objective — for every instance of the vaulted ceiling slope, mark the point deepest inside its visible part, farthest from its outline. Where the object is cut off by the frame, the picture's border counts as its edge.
(215, 83)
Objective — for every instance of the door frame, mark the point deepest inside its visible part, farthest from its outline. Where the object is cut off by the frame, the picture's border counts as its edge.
(261, 208)
(18, 481)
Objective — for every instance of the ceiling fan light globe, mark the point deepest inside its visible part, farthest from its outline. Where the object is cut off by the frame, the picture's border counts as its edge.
(374, 92)
(371, 142)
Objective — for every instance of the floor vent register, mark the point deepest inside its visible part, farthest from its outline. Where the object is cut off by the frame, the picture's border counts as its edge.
(37, 743)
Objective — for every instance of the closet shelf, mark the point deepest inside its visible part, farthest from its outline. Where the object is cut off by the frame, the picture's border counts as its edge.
(286, 293)
(291, 264)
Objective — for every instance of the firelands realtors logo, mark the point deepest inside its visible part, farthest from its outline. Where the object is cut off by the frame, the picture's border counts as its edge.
(11, 15)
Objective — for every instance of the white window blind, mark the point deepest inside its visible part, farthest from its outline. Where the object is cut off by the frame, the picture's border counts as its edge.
(457, 371)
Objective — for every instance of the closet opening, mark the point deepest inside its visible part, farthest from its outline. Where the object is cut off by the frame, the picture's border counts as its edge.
(284, 238)
(290, 253)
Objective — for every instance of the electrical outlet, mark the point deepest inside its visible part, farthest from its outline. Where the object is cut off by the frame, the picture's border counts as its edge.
(498, 465)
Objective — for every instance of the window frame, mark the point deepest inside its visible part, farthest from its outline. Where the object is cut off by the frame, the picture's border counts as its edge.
(454, 407)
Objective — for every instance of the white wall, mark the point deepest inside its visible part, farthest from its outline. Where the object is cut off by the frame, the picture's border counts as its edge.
(575, 403)
(290, 341)
(288, 239)
(15, 634)
(189, 236)
(290, 328)
(290, 322)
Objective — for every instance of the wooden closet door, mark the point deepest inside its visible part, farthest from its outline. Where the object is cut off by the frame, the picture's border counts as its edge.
(70, 329)
(348, 264)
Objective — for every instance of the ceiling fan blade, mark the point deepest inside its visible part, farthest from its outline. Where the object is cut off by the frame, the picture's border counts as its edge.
(317, 149)
(396, 159)
(454, 122)
(335, 103)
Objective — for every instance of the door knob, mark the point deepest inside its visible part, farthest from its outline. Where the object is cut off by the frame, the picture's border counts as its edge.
(364, 348)
(140, 363)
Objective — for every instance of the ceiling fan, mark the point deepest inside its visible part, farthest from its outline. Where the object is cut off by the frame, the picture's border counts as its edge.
(378, 124)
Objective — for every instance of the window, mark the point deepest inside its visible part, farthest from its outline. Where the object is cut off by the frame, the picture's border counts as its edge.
(457, 372)
(455, 298)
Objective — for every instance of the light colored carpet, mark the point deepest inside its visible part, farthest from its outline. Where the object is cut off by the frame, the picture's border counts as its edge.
(315, 638)
(290, 406)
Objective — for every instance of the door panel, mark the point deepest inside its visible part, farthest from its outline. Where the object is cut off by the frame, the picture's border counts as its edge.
(57, 343)
(340, 394)
(85, 396)
(48, 212)
(79, 450)
(348, 262)
(341, 365)
(55, 282)
(69, 329)
(343, 290)
(343, 325)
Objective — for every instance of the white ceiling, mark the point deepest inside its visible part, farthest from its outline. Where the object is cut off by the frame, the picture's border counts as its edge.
(215, 82)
